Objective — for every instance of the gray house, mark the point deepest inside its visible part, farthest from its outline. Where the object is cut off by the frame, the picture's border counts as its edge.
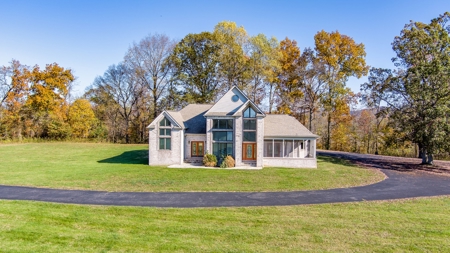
(233, 126)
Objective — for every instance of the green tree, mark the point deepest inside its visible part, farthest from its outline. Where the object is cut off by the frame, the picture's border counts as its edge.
(418, 93)
(195, 63)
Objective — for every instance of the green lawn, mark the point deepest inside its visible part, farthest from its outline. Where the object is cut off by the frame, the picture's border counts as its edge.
(113, 167)
(419, 225)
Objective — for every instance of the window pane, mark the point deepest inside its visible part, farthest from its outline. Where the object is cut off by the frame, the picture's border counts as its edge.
(162, 122)
(229, 149)
(161, 143)
(229, 124)
(268, 148)
(247, 113)
(215, 123)
(249, 151)
(229, 136)
(250, 136)
(194, 149)
(200, 149)
(288, 152)
(162, 131)
(252, 113)
(278, 148)
(249, 124)
(168, 143)
(168, 132)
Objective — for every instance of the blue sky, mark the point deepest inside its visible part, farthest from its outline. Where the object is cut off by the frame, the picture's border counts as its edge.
(89, 36)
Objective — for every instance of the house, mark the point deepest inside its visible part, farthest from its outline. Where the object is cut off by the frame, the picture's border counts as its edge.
(234, 126)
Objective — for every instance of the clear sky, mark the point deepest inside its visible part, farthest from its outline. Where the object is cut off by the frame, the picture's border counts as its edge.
(89, 36)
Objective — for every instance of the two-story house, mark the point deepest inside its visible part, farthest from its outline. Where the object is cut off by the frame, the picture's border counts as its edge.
(234, 126)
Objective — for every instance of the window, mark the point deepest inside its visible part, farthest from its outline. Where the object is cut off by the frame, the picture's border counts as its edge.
(250, 136)
(249, 125)
(197, 148)
(288, 148)
(165, 132)
(222, 136)
(222, 149)
(268, 148)
(249, 113)
(164, 123)
(277, 148)
(222, 124)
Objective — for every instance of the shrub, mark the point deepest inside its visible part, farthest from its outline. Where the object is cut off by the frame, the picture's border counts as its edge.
(227, 162)
(209, 160)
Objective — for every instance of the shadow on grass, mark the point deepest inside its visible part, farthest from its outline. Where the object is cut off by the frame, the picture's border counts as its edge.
(129, 157)
(384, 162)
(335, 160)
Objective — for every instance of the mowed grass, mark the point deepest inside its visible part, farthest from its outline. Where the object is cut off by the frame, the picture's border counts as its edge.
(115, 167)
(415, 225)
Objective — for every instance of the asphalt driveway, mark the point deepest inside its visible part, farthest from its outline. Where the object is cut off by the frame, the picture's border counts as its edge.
(398, 184)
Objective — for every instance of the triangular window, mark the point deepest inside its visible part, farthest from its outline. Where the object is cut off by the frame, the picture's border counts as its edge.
(249, 113)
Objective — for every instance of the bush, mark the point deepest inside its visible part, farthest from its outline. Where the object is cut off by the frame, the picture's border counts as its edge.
(227, 162)
(209, 160)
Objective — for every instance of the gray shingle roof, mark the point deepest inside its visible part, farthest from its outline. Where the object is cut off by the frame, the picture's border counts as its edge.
(281, 125)
(177, 117)
(193, 118)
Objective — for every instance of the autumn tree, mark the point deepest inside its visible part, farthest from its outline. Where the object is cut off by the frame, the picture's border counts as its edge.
(341, 58)
(311, 71)
(233, 61)
(13, 92)
(418, 92)
(263, 65)
(81, 118)
(195, 63)
(46, 103)
(289, 86)
(147, 60)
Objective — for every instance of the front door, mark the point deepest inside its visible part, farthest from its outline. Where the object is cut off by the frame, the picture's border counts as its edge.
(249, 151)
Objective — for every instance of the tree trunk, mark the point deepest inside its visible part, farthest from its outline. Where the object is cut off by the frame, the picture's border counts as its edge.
(310, 119)
(420, 150)
(327, 141)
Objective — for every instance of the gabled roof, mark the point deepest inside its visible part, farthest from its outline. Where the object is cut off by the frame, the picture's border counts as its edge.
(230, 104)
(282, 125)
(173, 117)
(193, 117)
(245, 106)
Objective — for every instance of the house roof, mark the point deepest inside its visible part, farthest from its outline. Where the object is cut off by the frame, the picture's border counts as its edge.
(176, 116)
(193, 117)
(282, 125)
(231, 104)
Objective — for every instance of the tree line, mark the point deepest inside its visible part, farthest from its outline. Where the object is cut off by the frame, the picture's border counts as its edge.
(158, 73)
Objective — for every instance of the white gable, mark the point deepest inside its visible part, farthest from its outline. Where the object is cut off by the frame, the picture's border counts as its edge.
(228, 104)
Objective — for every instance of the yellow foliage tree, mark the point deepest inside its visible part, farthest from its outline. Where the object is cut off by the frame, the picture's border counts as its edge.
(81, 118)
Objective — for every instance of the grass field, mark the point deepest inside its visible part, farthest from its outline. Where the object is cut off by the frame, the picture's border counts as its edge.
(112, 167)
(418, 225)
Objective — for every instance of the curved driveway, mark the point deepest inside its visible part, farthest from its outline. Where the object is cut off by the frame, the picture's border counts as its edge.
(397, 185)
